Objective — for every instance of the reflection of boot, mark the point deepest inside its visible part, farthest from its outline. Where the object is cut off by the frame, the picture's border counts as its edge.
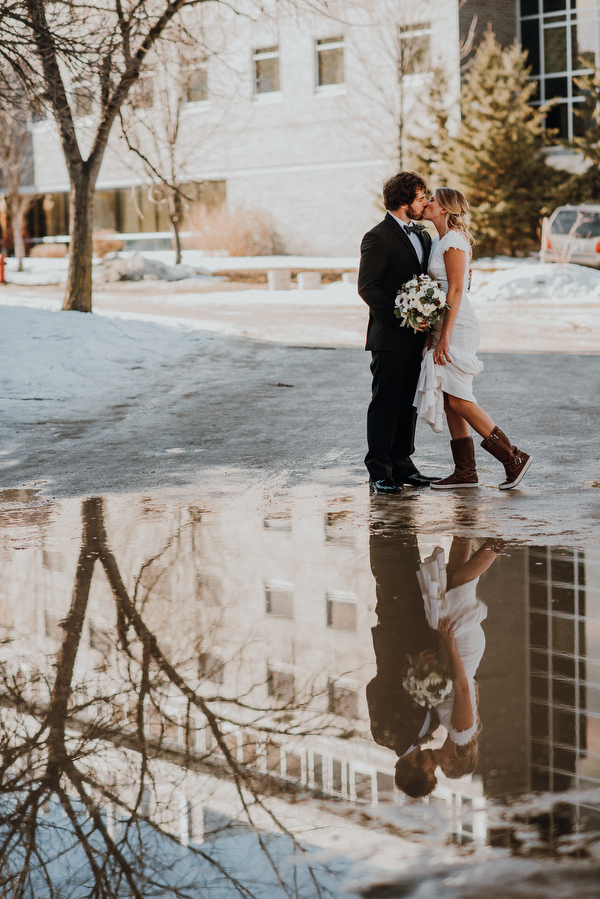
(465, 471)
(515, 462)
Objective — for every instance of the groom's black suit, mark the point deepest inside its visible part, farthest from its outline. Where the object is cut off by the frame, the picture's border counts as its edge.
(387, 260)
(401, 629)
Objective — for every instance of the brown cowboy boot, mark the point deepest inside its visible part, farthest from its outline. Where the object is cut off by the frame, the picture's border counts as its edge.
(465, 471)
(515, 462)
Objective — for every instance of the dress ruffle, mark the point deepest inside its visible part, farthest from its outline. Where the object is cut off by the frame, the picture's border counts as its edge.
(435, 380)
(460, 605)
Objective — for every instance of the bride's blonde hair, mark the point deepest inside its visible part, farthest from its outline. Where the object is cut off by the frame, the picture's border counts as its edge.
(457, 208)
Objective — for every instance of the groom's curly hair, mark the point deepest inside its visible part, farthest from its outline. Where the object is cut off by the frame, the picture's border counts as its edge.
(401, 189)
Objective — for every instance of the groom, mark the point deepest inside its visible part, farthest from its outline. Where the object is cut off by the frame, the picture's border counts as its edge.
(393, 252)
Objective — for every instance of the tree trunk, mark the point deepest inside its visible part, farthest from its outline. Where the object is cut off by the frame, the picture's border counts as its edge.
(176, 225)
(20, 206)
(78, 296)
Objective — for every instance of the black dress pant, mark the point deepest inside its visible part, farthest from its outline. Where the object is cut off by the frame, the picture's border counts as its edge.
(391, 417)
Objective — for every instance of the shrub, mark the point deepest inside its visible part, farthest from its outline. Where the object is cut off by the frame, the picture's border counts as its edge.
(106, 241)
(49, 250)
(239, 232)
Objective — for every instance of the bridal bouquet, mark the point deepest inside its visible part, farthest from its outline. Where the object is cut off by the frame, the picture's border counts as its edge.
(421, 301)
(427, 680)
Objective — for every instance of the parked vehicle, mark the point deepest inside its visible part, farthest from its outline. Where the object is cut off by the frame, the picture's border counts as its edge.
(573, 235)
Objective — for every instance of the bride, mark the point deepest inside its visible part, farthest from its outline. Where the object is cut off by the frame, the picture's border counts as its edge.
(450, 361)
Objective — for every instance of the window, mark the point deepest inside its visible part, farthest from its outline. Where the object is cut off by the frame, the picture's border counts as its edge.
(280, 683)
(341, 611)
(414, 49)
(342, 699)
(330, 61)
(141, 95)
(279, 600)
(196, 84)
(266, 70)
(83, 98)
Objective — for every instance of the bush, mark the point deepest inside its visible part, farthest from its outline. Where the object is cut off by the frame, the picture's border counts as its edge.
(238, 232)
(49, 250)
(106, 241)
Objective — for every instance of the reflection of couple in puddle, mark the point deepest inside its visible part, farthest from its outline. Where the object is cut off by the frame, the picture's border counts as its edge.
(429, 621)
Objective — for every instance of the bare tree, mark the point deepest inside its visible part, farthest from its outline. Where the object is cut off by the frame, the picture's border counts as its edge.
(155, 136)
(16, 161)
(90, 769)
(69, 49)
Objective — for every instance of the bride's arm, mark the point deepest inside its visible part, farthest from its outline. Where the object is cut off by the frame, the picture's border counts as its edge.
(462, 709)
(455, 262)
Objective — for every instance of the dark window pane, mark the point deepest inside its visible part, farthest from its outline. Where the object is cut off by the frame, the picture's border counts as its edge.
(336, 775)
(280, 685)
(558, 120)
(318, 770)
(414, 50)
(538, 625)
(540, 780)
(530, 38)
(341, 614)
(293, 766)
(279, 603)
(330, 63)
(538, 591)
(563, 692)
(563, 635)
(385, 785)
(563, 667)
(563, 598)
(563, 726)
(539, 687)
(556, 87)
(342, 700)
(554, 5)
(363, 786)
(196, 85)
(540, 754)
(555, 49)
(539, 721)
(529, 7)
(266, 75)
(563, 567)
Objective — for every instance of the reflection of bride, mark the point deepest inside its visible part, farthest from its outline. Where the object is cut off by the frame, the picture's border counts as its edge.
(452, 608)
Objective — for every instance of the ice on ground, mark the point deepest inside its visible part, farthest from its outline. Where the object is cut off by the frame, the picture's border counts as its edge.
(550, 281)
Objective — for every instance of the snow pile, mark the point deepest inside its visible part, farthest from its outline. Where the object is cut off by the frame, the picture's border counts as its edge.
(140, 268)
(550, 282)
(81, 362)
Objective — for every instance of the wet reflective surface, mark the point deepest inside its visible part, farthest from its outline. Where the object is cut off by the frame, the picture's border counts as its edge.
(210, 696)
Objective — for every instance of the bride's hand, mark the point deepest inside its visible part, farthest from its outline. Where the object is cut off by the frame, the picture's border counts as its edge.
(441, 354)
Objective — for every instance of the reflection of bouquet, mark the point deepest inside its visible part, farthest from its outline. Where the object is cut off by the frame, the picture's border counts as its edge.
(421, 301)
(427, 679)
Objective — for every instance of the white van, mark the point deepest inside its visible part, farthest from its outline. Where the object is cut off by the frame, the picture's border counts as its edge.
(573, 235)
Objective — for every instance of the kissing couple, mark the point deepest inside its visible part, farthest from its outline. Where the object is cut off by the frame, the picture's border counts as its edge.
(427, 373)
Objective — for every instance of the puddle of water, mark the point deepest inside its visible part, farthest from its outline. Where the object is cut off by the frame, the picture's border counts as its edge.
(216, 696)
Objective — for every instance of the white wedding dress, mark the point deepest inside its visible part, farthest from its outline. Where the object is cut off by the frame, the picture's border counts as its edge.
(460, 605)
(456, 376)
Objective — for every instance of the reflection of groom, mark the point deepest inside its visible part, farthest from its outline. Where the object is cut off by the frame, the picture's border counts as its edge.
(401, 629)
(391, 254)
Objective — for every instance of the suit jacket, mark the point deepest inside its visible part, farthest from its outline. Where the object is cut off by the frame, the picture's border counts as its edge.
(387, 260)
(402, 629)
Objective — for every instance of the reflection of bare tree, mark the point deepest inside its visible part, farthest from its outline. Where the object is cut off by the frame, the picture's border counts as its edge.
(84, 765)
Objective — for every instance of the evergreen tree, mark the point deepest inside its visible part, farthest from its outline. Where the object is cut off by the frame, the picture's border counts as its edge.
(429, 151)
(587, 114)
(497, 158)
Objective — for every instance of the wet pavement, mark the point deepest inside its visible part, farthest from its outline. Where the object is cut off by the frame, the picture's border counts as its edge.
(207, 694)
(206, 623)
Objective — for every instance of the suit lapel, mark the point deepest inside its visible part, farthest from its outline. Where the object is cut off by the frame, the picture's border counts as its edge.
(401, 233)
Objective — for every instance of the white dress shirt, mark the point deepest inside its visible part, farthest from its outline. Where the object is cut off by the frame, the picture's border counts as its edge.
(414, 239)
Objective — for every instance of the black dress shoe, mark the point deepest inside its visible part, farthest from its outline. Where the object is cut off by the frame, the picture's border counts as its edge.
(419, 480)
(386, 487)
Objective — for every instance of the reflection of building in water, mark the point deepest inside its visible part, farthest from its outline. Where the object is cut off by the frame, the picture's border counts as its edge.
(276, 606)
